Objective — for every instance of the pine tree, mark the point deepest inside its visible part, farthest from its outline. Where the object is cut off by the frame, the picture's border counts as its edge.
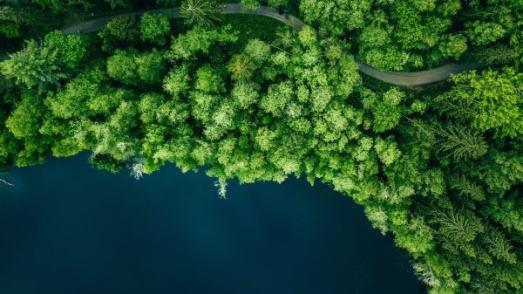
(199, 12)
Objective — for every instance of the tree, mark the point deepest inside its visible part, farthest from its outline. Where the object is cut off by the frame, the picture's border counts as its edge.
(70, 101)
(392, 35)
(26, 118)
(438, 170)
(150, 67)
(130, 67)
(209, 80)
(387, 111)
(245, 93)
(177, 81)
(483, 33)
(277, 97)
(461, 143)
(148, 107)
(16, 18)
(200, 12)
(489, 101)
(258, 50)
(118, 31)
(453, 47)
(59, 6)
(41, 67)
(241, 67)
(200, 40)
(122, 67)
(114, 137)
(154, 28)
(327, 13)
(71, 50)
(24, 124)
(34, 67)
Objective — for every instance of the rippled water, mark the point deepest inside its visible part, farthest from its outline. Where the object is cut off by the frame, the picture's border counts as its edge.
(68, 228)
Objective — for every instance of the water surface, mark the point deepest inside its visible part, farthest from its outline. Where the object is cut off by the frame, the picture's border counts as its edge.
(67, 228)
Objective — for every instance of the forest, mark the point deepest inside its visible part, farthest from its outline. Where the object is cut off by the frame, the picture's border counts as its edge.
(439, 168)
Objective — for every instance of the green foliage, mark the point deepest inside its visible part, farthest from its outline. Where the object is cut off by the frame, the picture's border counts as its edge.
(278, 3)
(177, 81)
(154, 28)
(199, 12)
(258, 50)
(453, 47)
(499, 55)
(416, 237)
(409, 34)
(118, 31)
(467, 188)
(387, 151)
(16, 19)
(241, 67)
(461, 143)
(250, 4)
(122, 66)
(130, 67)
(245, 93)
(200, 40)
(391, 34)
(385, 111)
(483, 33)
(25, 120)
(11, 14)
(24, 124)
(63, 5)
(71, 49)
(85, 90)
(35, 67)
(490, 101)
(439, 170)
(167, 3)
(326, 12)
(499, 247)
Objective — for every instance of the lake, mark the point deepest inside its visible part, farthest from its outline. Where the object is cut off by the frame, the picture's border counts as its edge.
(67, 228)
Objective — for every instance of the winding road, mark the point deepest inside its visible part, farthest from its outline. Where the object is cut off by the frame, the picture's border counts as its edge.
(406, 79)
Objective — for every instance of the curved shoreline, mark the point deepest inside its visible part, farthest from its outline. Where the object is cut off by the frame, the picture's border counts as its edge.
(406, 79)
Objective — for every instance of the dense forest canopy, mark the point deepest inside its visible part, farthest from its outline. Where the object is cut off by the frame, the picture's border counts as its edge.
(244, 97)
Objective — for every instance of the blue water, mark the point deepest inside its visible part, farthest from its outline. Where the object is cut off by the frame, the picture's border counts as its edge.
(67, 228)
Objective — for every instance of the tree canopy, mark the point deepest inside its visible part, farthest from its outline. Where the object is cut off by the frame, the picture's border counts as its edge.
(438, 169)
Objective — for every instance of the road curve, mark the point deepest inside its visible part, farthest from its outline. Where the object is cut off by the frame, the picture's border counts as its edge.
(406, 79)
(97, 24)
(417, 78)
